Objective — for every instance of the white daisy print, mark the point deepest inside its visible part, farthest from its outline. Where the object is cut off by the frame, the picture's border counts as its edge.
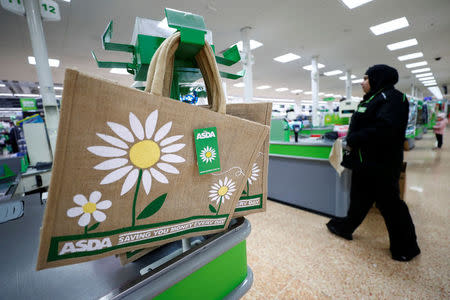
(223, 190)
(254, 175)
(87, 208)
(140, 154)
(208, 154)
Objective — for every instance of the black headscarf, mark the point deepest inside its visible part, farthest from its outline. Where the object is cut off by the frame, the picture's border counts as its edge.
(380, 77)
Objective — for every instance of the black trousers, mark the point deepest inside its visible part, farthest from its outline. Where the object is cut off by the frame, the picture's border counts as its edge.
(439, 140)
(381, 188)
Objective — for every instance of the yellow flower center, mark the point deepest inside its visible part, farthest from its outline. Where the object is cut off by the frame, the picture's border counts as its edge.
(89, 207)
(208, 154)
(145, 154)
(222, 191)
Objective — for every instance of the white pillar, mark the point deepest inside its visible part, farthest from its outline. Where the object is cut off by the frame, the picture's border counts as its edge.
(413, 90)
(43, 69)
(348, 84)
(315, 90)
(247, 59)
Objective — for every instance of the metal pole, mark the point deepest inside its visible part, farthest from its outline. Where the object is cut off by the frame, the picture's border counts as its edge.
(43, 69)
(348, 85)
(248, 62)
(315, 90)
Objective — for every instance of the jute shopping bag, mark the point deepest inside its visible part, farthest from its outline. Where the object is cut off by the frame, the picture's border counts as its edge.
(254, 195)
(125, 173)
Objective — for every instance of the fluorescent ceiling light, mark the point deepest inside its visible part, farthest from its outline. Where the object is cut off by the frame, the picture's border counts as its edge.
(345, 77)
(390, 26)
(355, 3)
(67, 1)
(263, 87)
(429, 82)
(273, 100)
(287, 58)
(281, 90)
(58, 88)
(309, 67)
(27, 95)
(357, 81)
(308, 93)
(338, 96)
(332, 73)
(426, 78)
(296, 91)
(424, 75)
(410, 56)
(436, 92)
(2, 85)
(120, 71)
(240, 84)
(253, 45)
(321, 94)
(420, 70)
(51, 61)
(6, 94)
(417, 64)
(328, 95)
(401, 45)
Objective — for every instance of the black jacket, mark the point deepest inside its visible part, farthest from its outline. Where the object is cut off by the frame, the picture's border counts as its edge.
(377, 129)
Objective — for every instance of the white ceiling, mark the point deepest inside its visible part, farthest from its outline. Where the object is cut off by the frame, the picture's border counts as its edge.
(341, 37)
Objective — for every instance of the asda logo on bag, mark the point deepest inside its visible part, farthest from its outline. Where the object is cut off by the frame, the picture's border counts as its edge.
(207, 149)
(85, 245)
(205, 135)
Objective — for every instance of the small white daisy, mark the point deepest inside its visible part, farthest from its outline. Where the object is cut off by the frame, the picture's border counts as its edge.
(87, 208)
(222, 191)
(255, 171)
(148, 153)
(208, 154)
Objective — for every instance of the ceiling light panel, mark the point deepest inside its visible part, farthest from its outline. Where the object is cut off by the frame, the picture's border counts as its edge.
(426, 78)
(345, 77)
(403, 44)
(429, 82)
(2, 85)
(263, 87)
(281, 90)
(296, 91)
(240, 84)
(436, 92)
(355, 3)
(328, 95)
(357, 81)
(420, 70)
(309, 67)
(119, 71)
(389, 26)
(332, 73)
(417, 64)
(410, 56)
(308, 93)
(253, 45)
(424, 75)
(51, 61)
(287, 58)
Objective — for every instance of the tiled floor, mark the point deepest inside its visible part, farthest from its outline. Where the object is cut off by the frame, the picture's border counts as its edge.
(293, 256)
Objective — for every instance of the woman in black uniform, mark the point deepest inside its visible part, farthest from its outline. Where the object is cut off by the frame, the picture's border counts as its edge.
(375, 140)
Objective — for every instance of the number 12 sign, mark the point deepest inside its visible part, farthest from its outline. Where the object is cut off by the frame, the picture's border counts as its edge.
(49, 8)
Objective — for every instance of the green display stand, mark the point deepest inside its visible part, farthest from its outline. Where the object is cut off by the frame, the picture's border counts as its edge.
(5, 172)
(278, 130)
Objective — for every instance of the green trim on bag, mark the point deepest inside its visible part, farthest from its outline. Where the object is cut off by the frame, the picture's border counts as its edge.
(260, 205)
(53, 249)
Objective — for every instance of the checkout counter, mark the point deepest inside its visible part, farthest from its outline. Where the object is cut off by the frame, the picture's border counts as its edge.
(300, 174)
